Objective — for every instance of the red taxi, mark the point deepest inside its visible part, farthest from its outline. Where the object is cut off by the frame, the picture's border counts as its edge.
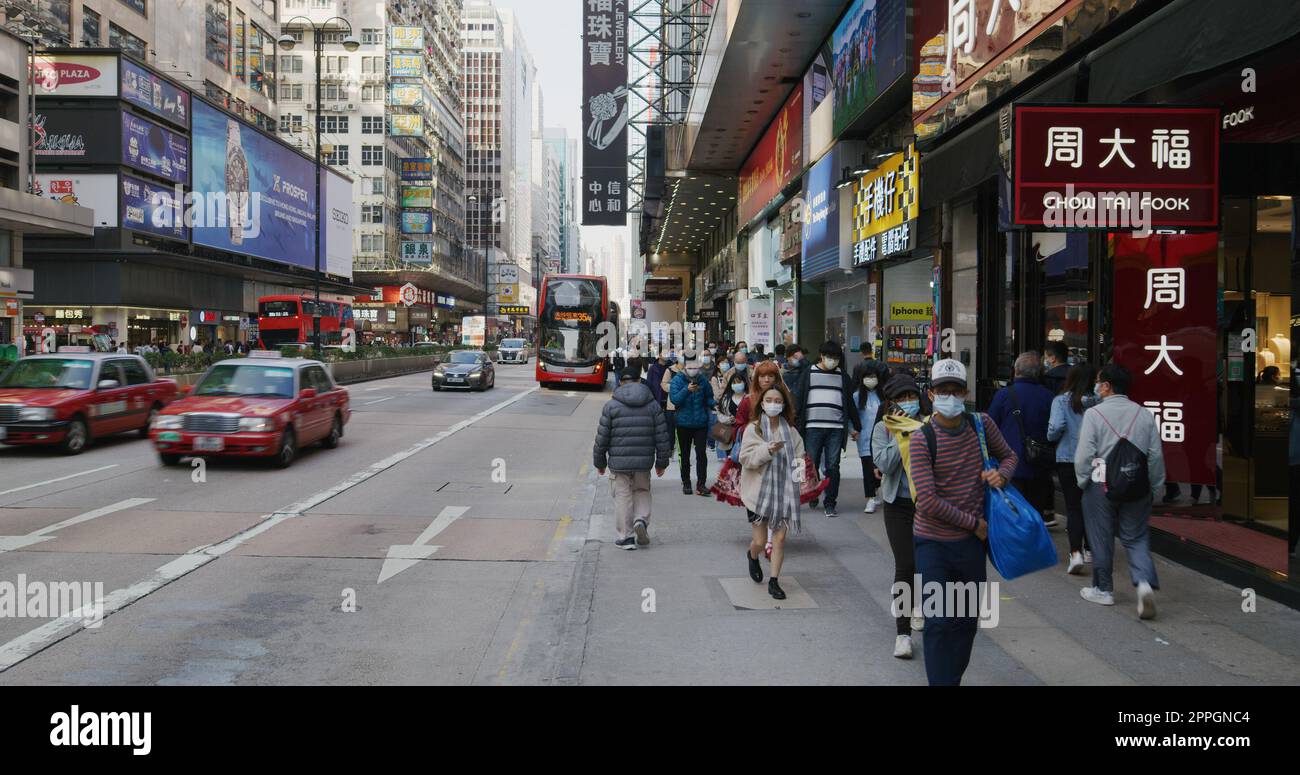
(260, 406)
(74, 396)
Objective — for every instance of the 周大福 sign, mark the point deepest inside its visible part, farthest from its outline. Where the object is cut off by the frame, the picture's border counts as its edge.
(1118, 168)
(886, 204)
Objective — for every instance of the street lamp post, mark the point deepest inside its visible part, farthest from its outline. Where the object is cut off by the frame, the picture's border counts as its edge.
(350, 44)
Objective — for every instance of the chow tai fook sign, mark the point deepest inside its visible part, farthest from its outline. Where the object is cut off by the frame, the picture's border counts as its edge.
(605, 112)
(886, 204)
(1166, 335)
(776, 160)
(1124, 167)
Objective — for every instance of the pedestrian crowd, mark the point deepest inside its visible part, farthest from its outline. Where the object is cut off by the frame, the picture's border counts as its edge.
(781, 420)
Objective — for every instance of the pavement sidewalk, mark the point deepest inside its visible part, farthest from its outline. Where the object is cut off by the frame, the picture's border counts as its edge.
(684, 611)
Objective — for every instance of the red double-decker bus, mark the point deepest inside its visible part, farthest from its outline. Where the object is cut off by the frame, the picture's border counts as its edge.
(285, 320)
(570, 310)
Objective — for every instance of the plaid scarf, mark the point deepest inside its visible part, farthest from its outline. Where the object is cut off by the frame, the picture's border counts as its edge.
(778, 495)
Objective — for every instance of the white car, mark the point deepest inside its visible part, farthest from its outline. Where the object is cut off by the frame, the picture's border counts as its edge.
(512, 351)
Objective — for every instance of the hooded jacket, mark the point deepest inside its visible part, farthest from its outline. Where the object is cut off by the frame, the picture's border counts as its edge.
(633, 432)
(692, 408)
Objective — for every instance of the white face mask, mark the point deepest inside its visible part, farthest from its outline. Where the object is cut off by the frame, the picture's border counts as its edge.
(692, 372)
(773, 410)
(871, 383)
(830, 363)
(738, 387)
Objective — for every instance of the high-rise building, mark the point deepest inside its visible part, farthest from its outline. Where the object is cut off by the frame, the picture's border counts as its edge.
(498, 77)
(570, 170)
(223, 49)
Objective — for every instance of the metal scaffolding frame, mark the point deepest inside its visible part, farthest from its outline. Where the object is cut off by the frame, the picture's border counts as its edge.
(666, 41)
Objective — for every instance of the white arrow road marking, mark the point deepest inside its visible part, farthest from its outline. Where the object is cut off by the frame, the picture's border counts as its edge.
(403, 556)
(570, 394)
(41, 638)
(60, 479)
(10, 543)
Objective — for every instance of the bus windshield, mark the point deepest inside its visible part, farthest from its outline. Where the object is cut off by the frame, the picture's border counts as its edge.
(573, 309)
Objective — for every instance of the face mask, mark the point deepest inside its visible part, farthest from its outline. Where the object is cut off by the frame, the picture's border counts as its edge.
(912, 408)
(794, 361)
(744, 350)
(706, 361)
(773, 410)
(692, 372)
(738, 387)
(949, 406)
(741, 366)
(830, 363)
(871, 383)
(1096, 390)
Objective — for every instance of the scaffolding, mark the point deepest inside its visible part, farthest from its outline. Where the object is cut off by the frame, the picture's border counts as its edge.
(667, 39)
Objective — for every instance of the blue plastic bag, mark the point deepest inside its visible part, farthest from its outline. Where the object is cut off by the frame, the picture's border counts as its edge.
(1018, 540)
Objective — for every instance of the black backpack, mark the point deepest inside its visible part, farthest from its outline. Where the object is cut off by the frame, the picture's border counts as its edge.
(1126, 467)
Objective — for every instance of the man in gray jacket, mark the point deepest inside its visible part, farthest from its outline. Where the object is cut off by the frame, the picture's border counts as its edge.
(631, 439)
(1103, 426)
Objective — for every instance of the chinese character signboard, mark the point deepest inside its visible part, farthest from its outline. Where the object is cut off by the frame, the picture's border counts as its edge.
(406, 65)
(1129, 168)
(776, 160)
(886, 206)
(604, 112)
(406, 125)
(417, 196)
(408, 38)
(515, 309)
(417, 222)
(417, 252)
(408, 95)
(416, 168)
(1165, 328)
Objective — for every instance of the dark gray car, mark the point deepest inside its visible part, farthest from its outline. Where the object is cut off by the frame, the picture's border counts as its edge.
(467, 369)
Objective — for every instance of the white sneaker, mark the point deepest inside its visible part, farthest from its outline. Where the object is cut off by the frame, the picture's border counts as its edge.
(1087, 557)
(1094, 595)
(1146, 601)
(1050, 521)
(903, 647)
(918, 623)
(871, 506)
(1076, 564)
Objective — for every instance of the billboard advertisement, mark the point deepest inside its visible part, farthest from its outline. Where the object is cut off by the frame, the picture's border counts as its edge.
(821, 220)
(1116, 168)
(417, 222)
(886, 205)
(337, 211)
(870, 54)
(278, 221)
(416, 168)
(417, 196)
(406, 125)
(473, 330)
(150, 148)
(157, 95)
(407, 95)
(76, 75)
(775, 161)
(409, 38)
(417, 252)
(152, 208)
(406, 65)
(605, 112)
(98, 192)
(77, 136)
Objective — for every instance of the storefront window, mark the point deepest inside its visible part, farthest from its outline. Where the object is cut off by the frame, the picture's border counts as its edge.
(1065, 282)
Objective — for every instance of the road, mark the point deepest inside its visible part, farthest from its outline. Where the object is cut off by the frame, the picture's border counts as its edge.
(463, 538)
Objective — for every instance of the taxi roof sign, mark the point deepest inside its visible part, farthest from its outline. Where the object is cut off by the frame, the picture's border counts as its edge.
(74, 349)
(265, 354)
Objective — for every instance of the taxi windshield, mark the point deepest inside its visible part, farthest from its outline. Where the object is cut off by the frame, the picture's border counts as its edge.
(247, 380)
(465, 357)
(49, 373)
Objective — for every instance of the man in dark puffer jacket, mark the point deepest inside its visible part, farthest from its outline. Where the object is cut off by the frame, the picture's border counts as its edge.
(631, 439)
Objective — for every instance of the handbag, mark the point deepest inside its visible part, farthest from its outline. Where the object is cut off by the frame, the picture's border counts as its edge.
(721, 432)
(1038, 452)
(1018, 540)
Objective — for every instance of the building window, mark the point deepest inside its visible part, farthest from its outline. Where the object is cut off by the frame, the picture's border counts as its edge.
(372, 243)
(291, 92)
(261, 66)
(216, 94)
(372, 93)
(290, 63)
(136, 5)
(334, 124)
(337, 156)
(217, 33)
(241, 54)
(376, 185)
(263, 121)
(372, 65)
(372, 213)
(290, 123)
(333, 92)
(371, 36)
(372, 155)
(372, 125)
(120, 38)
(89, 27)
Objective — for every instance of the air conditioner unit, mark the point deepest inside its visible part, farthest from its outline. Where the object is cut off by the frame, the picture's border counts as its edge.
(352, 106)
(310, 106)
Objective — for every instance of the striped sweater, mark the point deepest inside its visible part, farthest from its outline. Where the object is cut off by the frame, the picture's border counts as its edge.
(950, 494)
(825, 399)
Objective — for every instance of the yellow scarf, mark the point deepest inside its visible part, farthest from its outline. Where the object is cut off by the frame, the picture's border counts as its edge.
(903, 427)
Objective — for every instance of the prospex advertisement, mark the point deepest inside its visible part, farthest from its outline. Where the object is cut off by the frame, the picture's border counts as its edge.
(279, 223)
(886, 204)
(149, 147)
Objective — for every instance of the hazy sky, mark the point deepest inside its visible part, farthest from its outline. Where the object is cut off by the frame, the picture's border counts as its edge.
(553, 30)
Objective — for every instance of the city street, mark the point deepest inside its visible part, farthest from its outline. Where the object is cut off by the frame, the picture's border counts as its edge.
(464, 538)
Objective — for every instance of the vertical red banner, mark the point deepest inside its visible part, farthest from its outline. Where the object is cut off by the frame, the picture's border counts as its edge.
(1165, 316)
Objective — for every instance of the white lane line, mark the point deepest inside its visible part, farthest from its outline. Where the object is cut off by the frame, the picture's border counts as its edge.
(10, 543)
(380, 401)
(60, 479)
(41, 638)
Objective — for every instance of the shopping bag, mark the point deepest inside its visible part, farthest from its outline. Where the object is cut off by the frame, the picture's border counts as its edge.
(1018, 540)
(812, 485)
(726, 486)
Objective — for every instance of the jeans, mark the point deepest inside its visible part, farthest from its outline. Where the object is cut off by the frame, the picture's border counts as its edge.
(899, 516)
(869, 483)
(826, 444)
(697, 437)
(948, 639)
(1073, 506)
(1104, 519)
(671, 417)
